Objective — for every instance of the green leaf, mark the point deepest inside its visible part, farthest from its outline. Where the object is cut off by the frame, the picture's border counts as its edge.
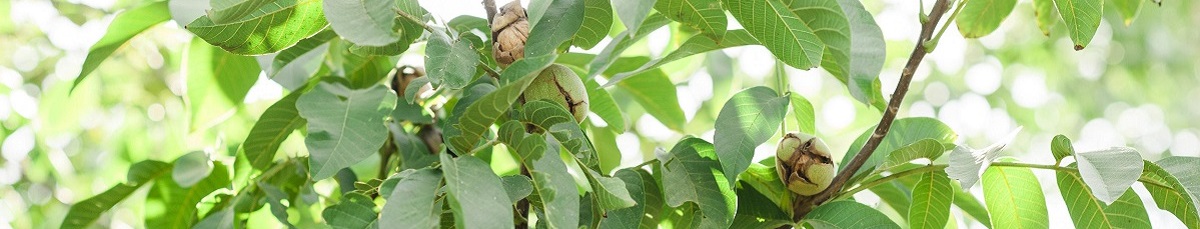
(554, 188)
(703, 15)
(560, 124)
(695, 45)
(756, 211)
(1082, 18)
(124, 26)
(212, 71)
(365, 71)
(971, 205)
(1187, 170)
(632, 13)
(344, 126)
(1128, 212)
(847, 214)
(484, 111)
(268, 133)
(925, 148)
(905, 131)
(1015, 198)
(694, 175)
(765, 180)
(256, 27)
(622, 41)
(747, 120)
(830, 24)
(1047, 16)
(293, 66)
(867, 52)
(597, 20)
(603, 104)
(413, 201)
(362, 22)
(449, 61)
(610, 192)
(931, 201)
(979, 18)
(179, 202)
(896, 195)
(517, 186)
(411, 112)
(1170, 194)
(629, 217)
(86, 212)
(780, 30)
(1128, 8)
(655, 92)
(1088, 212)
(476, 195)
(413, 152)
(607, 153)
(558, 24)
(409, 31)
(223, 219)
(655, 201)
(467, 23)
(806, 116)
(524, 146)
(1108, 173)
(1061, 147)
(191, 168)
(356, 211)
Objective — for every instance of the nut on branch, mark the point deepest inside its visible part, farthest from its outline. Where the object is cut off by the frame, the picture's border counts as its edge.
(803, 164)
(404, 76)
(559, 84)
(510, 29)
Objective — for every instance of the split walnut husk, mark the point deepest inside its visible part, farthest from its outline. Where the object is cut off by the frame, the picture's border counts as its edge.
(803, 164)
(510, 29)
(559, 84)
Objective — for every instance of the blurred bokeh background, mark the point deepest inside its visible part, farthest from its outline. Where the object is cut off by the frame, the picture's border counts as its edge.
(1136, 85)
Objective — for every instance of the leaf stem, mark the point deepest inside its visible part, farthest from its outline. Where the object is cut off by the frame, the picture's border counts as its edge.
(802, 208)
(784, 89)
(414, 19)
(490, 143)
(932, 44)
(489, 70)
(645, 163)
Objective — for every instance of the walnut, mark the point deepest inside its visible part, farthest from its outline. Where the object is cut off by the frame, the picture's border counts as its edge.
(804, 164)
(510, 29)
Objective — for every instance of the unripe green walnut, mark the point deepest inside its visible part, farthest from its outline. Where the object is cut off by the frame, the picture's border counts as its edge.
(560, 85)
(804, 164)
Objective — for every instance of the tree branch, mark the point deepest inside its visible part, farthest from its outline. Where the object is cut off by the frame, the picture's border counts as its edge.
(914, 60)
(490, 7)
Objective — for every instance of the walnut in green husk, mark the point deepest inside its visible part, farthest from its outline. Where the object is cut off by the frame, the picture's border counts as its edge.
(559, 84)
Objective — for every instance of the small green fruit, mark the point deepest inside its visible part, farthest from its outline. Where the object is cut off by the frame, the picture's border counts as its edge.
(560, 85)
(803, 164)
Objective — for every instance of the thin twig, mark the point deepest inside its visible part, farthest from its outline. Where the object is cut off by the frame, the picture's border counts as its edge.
(914, 60)
(414, 19)
(489, 70)
(483, 147)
